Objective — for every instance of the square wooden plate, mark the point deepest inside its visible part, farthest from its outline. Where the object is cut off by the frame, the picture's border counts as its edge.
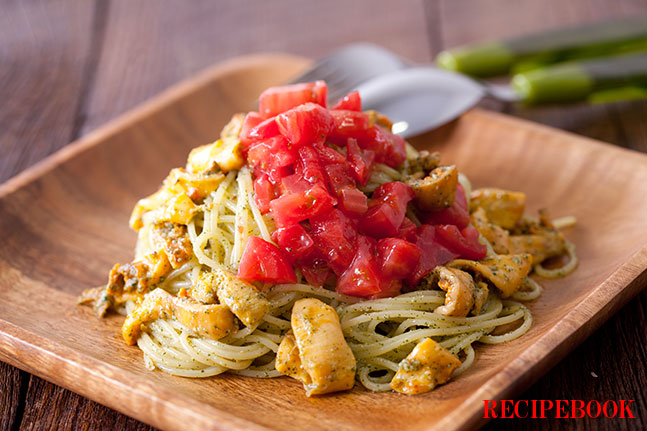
(64, 222)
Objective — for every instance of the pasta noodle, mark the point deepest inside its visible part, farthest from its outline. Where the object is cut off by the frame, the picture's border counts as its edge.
(194, 232)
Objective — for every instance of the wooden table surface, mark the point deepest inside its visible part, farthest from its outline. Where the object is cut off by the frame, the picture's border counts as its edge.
(67, 67)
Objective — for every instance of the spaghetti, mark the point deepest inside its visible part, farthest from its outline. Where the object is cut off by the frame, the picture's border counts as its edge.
(202, 220)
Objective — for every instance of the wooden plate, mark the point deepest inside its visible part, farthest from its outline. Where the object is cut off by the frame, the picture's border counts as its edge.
(64, 222)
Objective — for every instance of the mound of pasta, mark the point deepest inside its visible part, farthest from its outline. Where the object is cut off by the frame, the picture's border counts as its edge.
(314, 243)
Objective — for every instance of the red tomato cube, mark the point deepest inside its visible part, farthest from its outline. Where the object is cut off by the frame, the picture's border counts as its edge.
(350, 102)
(334, 234)
(264, 262)
(305, 124)
(362, 278)
(292, 208)
(276, 100)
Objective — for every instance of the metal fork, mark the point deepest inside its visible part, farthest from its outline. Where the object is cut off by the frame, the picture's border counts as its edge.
(345, 69)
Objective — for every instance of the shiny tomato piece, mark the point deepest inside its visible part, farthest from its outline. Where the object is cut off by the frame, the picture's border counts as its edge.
(432, 253)
(295, 242)
(362, 278)
(294, 184)
(292, 208)
(338, 177)
(264, 262)
(252, 119)
(316, 271)
(360, 162)
(353, 201)
(457, 214)
(264, 192)
(305, 124)
(334, 234)
(350, 102)
(386, 210)
(464, 242)
(397, 257)
(388, 148)
(263, 130)
(271, 153)
(328, 155)
(309, 167)
(407, 230)
(380, 221)
(350, 124)
(276, 100)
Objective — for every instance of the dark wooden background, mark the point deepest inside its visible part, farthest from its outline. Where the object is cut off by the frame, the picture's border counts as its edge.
(67, 67)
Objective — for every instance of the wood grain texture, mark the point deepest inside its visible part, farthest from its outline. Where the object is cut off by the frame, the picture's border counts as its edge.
(50, 52)
(86, 355)
(44, 55)
(138, 47)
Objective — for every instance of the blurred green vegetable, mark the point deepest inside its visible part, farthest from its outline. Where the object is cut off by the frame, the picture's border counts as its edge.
(542, 49)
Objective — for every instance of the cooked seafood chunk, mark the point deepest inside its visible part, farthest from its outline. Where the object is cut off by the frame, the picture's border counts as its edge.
(327, 361)
(179, 209)
(422, 161)
(242, 298)
(436, 191)
(496, 235)
(541, 245)
(233, 128)
(506, 271)
(179, 182)
(288, 360)
(174, 239)
(503, 208)
(207, 320)
(224, 154)
(429, 364)
(463, 295)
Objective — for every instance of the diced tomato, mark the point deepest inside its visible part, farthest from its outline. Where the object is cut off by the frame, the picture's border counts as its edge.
(349, 124)
(386, 210)
(309, 167)
(350, 102)
(328, 155)
(294, 184)
(457, 214)
(338, 177)
(388, 289)
(292, 208)
(273, 157)
(397, 257)
(362, 278)
(353, 201)
(432, 253)
(407, 230)
(334, 234)
(271, 153)
(388, 148)
(305, 124)
(252, 119)
(264, 192)
(360, 164)
(276, 100)
(264, 130)
(295, 242)
(316, 271)
(464, 242)
(264, 262)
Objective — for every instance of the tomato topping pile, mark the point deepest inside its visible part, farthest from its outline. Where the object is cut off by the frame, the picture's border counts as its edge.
(308, 163)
